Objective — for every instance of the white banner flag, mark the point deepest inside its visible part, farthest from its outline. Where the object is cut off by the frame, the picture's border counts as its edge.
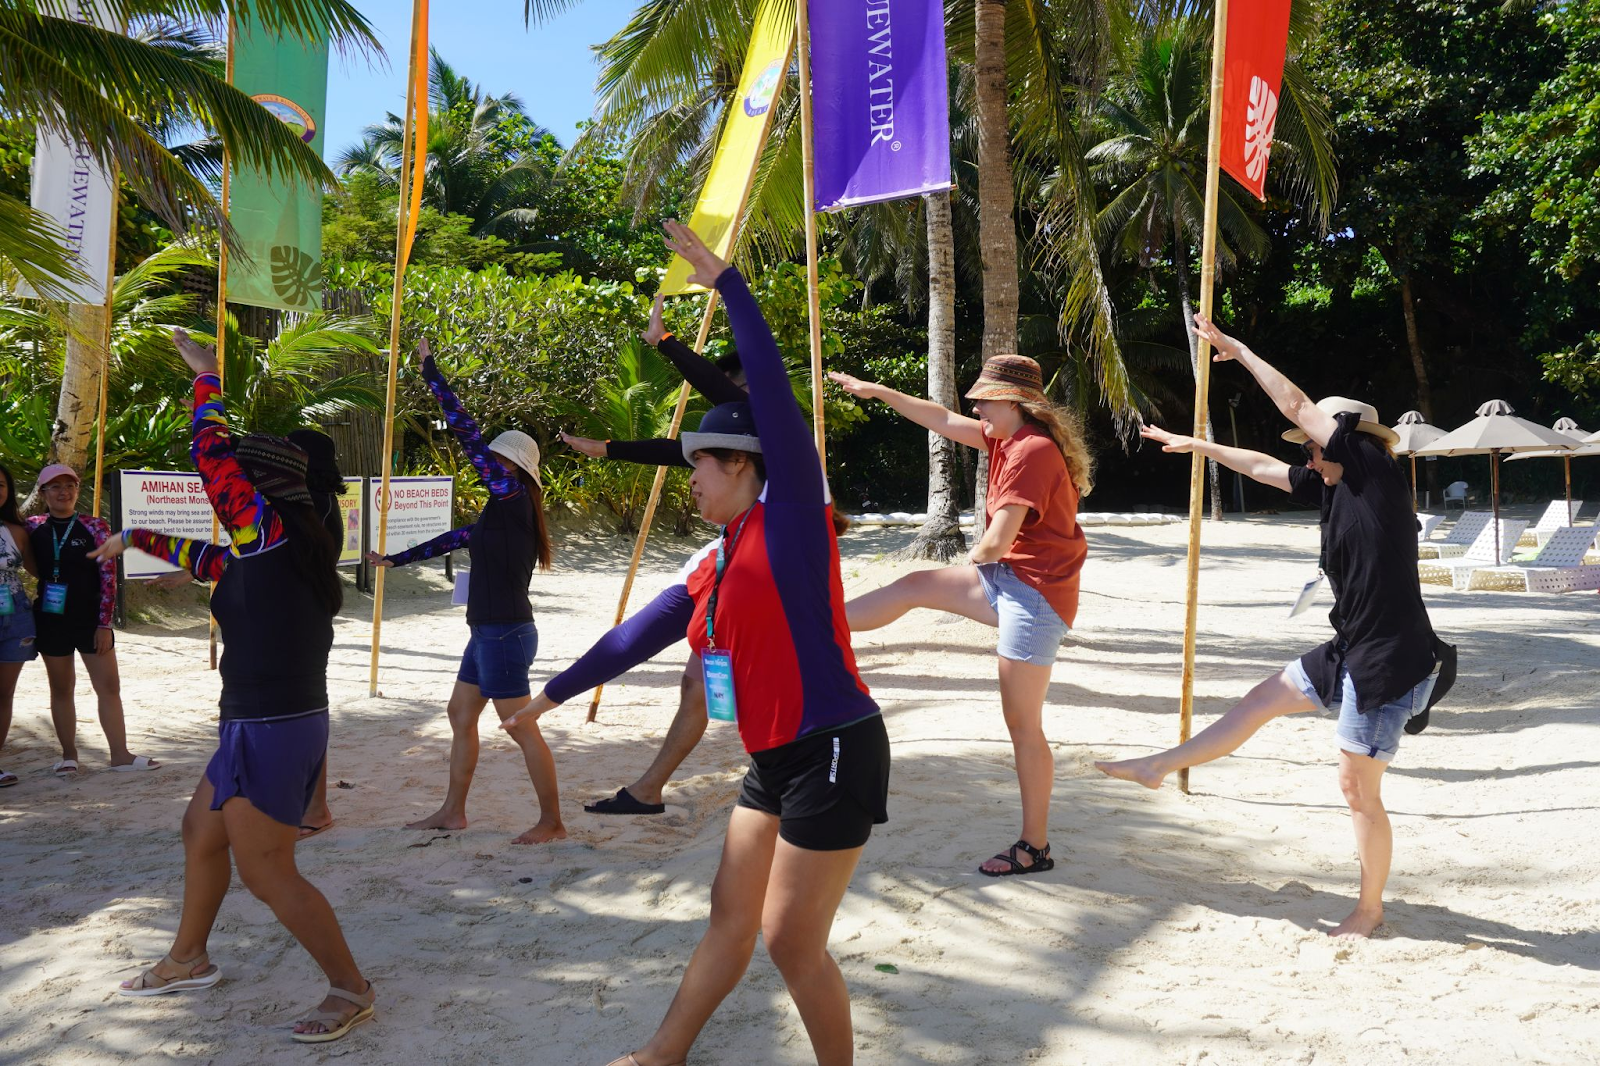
(72, 188)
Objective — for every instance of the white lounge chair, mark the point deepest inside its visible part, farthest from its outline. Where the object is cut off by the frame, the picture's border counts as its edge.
(1454, 571)
(1555, 517)
(1559, 567)
(1465, 531)
(1429, 523)
(1456, 493)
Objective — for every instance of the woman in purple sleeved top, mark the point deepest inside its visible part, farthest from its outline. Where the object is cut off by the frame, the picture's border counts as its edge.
(275, 598)
(506, 543)
(763, 610)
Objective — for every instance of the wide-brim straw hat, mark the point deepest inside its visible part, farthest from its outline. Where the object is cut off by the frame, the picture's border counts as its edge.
(1338, 405)
(520, 449)
(1010, 377)
(727, 425)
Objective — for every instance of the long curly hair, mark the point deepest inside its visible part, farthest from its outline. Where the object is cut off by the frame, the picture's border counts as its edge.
(1066, 429)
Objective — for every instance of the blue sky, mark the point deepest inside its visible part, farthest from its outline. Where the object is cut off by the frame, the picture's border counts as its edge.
(550, 66)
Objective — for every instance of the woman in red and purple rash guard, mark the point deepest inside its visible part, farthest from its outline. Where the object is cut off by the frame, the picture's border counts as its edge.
(764, 609)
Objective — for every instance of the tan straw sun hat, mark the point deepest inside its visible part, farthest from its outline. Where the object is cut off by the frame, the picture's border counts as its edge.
(1338, 405)
(520, 449)
(1010, 377)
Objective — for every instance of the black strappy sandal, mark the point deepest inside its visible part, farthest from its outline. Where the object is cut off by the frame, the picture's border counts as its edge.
(1040, 856)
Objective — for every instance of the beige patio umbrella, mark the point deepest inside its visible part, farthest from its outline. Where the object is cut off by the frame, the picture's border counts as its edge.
(1590, 445)
(1497, 431)
(1414, 432)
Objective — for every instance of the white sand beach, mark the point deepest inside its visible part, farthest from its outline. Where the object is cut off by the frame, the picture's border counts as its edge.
(1175, 929)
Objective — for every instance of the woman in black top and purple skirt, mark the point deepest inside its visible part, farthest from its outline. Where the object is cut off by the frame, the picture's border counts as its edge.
(275, 599)
(1384, 667)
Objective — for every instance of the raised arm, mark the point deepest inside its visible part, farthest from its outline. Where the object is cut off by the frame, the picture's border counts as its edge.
(1255, 465)
(251, 522)
(1291, 400)
(500, 482)
(661, 452)
(704, 376)
(655, 627)
(925, 413)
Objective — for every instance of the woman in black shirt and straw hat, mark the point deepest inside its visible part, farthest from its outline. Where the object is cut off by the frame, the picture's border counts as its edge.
(1384, 667)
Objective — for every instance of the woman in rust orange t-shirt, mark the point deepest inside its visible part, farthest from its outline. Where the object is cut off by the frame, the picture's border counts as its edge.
(1023, 574)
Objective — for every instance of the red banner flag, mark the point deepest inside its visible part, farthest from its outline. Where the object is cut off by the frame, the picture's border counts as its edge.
(1252, 75)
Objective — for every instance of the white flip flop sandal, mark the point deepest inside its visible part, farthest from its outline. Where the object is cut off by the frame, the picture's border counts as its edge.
(7, 779)
(150, 983)
(140, 762)
(65, 768)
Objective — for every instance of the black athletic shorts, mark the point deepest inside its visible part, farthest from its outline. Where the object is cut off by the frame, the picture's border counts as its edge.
(63, 636)
(828, 789)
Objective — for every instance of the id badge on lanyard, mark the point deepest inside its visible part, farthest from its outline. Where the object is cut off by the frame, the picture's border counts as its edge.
(717, 669)
(53, 593)
(1308, 594)
(8, 605)
(716, 665)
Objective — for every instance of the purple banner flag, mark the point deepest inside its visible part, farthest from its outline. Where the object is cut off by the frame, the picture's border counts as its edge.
(880, 100)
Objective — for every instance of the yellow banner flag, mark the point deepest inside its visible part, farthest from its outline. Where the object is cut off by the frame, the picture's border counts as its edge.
(744, 134)
(419, 128)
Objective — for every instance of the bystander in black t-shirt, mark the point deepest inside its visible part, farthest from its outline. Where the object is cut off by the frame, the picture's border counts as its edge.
(1369, 552)
(78, 572)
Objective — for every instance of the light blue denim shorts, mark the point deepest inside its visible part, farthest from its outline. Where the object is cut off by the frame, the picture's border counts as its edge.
(17, 634)
(1375, 734)
(1030, 629)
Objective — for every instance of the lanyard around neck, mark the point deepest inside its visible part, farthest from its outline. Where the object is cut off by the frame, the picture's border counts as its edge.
(56, 542)
(716, 586)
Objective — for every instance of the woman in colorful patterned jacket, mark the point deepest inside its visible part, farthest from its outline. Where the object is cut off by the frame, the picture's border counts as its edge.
(505, 544)
(764, 612)
(275, 599)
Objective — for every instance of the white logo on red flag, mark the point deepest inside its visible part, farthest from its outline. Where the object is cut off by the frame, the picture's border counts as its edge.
(1260, 121)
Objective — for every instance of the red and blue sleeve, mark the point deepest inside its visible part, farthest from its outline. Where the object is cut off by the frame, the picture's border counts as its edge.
(443, 544)
(501, 483)
(655, 627)
(202, 559)
(251, 522)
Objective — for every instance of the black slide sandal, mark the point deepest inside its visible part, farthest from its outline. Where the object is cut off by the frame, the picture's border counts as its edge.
(1042, 861)
(624, 803)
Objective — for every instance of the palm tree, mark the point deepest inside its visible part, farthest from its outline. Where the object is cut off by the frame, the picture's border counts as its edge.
(1151, 160)
(108, 91)
(480, 162)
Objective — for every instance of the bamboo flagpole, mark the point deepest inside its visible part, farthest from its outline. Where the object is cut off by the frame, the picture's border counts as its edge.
(809, 185)
(1202, 378)
(413, 160)
(222, 328)
(655, 492)
(105, 350)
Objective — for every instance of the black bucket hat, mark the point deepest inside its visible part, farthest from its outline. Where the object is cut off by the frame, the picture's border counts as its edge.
(727, 425)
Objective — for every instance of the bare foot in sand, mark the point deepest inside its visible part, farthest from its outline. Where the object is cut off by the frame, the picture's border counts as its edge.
(1360, 925)
(1139, 771)
(542, 833)
(440, 819)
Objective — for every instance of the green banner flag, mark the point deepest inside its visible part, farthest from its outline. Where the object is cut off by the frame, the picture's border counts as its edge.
(279, 220)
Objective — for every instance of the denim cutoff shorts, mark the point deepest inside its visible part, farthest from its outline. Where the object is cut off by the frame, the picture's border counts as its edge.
(1030, 629)
(1375, 734)
(498, 659)
(17, 634)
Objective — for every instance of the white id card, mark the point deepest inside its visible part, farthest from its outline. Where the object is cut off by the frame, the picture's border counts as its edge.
(1308, 594)
(458, 595)
(8, 605)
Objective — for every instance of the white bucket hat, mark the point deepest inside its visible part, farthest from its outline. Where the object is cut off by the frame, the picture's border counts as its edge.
(520, 449)
(1338, 405)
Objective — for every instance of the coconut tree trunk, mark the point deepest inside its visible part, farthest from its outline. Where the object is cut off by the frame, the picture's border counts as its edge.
(997, 231)
(940, 536)
(79, 402)
(1180, 264)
